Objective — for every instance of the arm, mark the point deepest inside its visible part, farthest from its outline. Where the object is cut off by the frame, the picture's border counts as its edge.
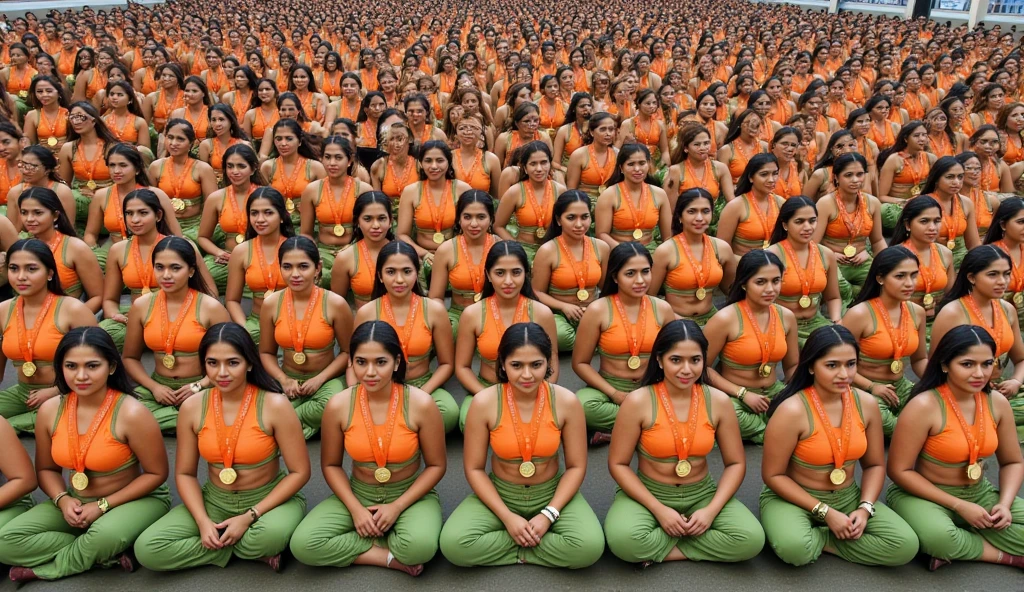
(664, 212)
(307, 209)
(506, 207)
(16, 467)
(208, 225)
(438, 273)
(287, 430)
(876, 239)
(546, 320)
(406, 215)
(94, 223)
(792, 357)
(604, 211)
(113, 283)
(138, 428)
(971, 238)
(833, 302)
(725, 181)
(444, 348)
(811, 188)
(728, 221)
(236, 283)
(885, 180)
(574, 169)
(465, 345)
(587, 336)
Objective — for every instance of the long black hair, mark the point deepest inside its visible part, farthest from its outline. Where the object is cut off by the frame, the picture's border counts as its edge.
(449, 174)
(913, 208)
(506, 249)
(618, 258)
(901, 142)
(384, 334)
(100, 341)
(364, 201)
(277, 201)
(937, 171)
(566, 199)
(954, 343)
(821, 341)
(625, 153)
(237, 337)
(789, 209)
(49, 200)
(683, 201)
(748, 267)
(885, 261)
(393, 249)
(755, 164)
(827, 157)
(151, 201)
(670, 334)
(1006, 210)
(468, 198)
(184, 249)
(42, 252)
(977, 260)
(521, 335)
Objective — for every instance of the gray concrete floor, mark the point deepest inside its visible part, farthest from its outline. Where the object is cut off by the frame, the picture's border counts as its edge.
(765, 572)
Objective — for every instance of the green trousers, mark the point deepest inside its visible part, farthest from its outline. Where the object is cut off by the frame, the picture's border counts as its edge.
(14, 407)
(445, 402)
(467, 401)
(959, 252)
(716, 214)
(327, 255)
(252, 327)
(166, 415)
(190, 227)
(474, 536)
(703, 319)
(328, 537)
(42, 540)
(634, 534)
(890, 216)
(890, 413)
(101, 251)
(1017, 405)
(454, 314)
(854, 277)
(566, 332)
(804, 327)
(752, 424)
(310, 409)
(82, 204)
(599, 409)
(218, 272)
(798, 539)
(945, 535)
(117, 331)
(173, 542)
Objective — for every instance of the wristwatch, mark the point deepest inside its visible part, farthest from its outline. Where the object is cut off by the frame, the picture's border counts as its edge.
(741, 392)
(102, 505)
(196, 387)
(868, 507)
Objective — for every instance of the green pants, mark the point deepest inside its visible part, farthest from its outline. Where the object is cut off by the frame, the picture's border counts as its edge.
(959, 252)
(1017, 405)
(474, 536)
(101, 250)
(566, 332)
(218, 272)
(166, 415)
(716, 214)
(328, 537)
(945, 535)
(454, 314)
(327, 255)
(634, 534)
(599, 409)
(531, 252)
(42, 540)
(425, 269)
(117, 331)
(173, 542)
(890, 216)
(445, 402)
(252, 327)
(890, 413)
(703, 319)
(752, 424)
(467, 401)
(310, 408)
(81, 209)
(14, 407)
(804, 327)
(854, 277)
(190, 227)
(798, 539)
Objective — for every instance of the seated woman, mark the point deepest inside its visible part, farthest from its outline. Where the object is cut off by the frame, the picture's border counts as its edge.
(917, 230)
(248, 506)
(507, 298)
(531, 200)
(311, 372)
(569, 265)
(749, 338)
(620, 327)
(386, 496)
(118, 469)
(37, 167)
(170, 323)
(820, 428)
(670, 508)
(426, 332)
(903, 170)
(18, 474)
(296, 165)
(352, 273)
(959, 230)
(33, 323)
(185, 180)
(527, 510)
(621, 217)
(747, 221)
(951, 424)
(689, 281)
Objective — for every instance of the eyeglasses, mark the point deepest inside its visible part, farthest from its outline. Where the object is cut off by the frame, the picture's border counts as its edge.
(27, 166)
(78, 118)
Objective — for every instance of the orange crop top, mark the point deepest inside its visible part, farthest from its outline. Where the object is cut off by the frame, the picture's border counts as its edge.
(688, 180)
(391, 185)
(647, 214)
(682, 278)
(815, 452)
(744, 353)
(232, 218)
(424, 217)
(405, 443)
(459, 275)
(255, 446)
(290, 188)
(879, 347)
(68, 277)
(254, 277)
(52, 128)
(91, 170)
(421, 337)
(1001, 332)
(320, 335)
(490, 334)
(190, 333)
(563, 277)
(528, 216)
(361, 282)
(950, 446)
(327, 204)
(836, 228)
(657, 442)
(106, 455)
(932, 277)
(131, 275)
(753, 230)
(954, 225)
(113, 212)
(791, 285)
(503, 438)
(594, 174)
(125, 132)
(45, 345)
(182, 185)
(615, 340)
(478, 177)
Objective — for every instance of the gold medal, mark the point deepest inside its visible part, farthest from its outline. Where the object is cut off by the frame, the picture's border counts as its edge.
(896, 366)
(299, 358)
(239, 238)
(90, 184)
(766, 370)
(51, 141)
(477, 297)
(633, 362)
(178, 204)
(837, 476)
(849, 250)
(382, 475)
(951, 244)
(701, 294)
(915, 191)
(227, 475)
(28, 369)
(80, 481)
(339, 230)
(928, 300)
(540, 233)
(582, 295)
(23, 94)
(764, 244)
(289, 205)
(683, 468)
(1018, 299)
(805, 301)
(974, 471)
(168, 361)
(527, 469)
(638, 234)
(438, 238)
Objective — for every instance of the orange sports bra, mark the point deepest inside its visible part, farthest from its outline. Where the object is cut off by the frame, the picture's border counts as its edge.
(405, 443)
(815, 452)
(1001, 332)
(490, 331)
(682, 278)
(125, 132)
(260, 124)
(89, 170)
(879, 347)
(68, 277)
(649, 136)
(791, 186)
(255, 446)
(739, 159)
(156, 326)
(982, 210)
(425, 219)
(232, 218)
(884, 139)
(392, 186)
(913, 171)
(568, 274)
(327, 206)
(478, 177)
(860, 219)
(954, 225)
(505, 443)
(950, 446)
(657, 442)
(6, 182)
(528, 211)
(52, 128)
(628, 217)
(44, 346)
(744, 352)
(792, 287)
(754, 229)
(573, 141)
(218, 150)
(417, 341)
(932, 278)
(113, 212)
(320, 334)
(594, 174)
(131, 274)
(361, 282)
(254, 272)
(688, 179)
(615, 340)
(181, 185)
(106, 455)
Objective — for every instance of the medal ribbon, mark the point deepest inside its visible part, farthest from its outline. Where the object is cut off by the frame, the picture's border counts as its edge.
(177, 181)
(635, 212)
(27, 337)
(531, 198)
(581, 271)
(526, 441)
(299, 336)
(146, 271)
(226, 441)
(701, 269)
(380, 447)
(805, 279)
(692, 174)
(631, 329)
(78, 449)
(337, 209)
(161, 304)
(601, 170)
(766, 341)
(899, 340)
(840, 447)
(290, 180)
(519, 317)
(476, 272)
(949, 226)
(996, 330)
(268, 271)
(853, 225)
(927, 273)
(975, 435)
(119, 210)
(696, 399)
(762, 217)
(236, 215)
(404, 331)
(1017, 269)
(460, 170)
(437, 217)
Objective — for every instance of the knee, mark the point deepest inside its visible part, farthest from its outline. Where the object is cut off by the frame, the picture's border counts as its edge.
(584, 551)
(794, 546)
(627, 542)
(149, 549)
(456, 545)
(414, 549)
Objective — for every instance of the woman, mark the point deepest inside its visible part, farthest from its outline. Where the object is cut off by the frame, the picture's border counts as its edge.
(903, 169)
(957, 514)
(240, 97)
(985, 202)
(396, 170)
(253, 266)
(959, 230)
(354, 268)
(408, 513)
(301, 82)
(552, 108)
(810, 277)
(546, 520)
(195, 109)
(166, 98)
(17, 76)
(944, 141)
(748, 348)
(882, 131)
(569, 265)
(43, 217)
(479, 168)
(986, 105)
(995, 173)
(19, 476)
(262, 113)
(38, 303)
(671, 509)
(1007, 233)
(742, 143)
(618, 218)
(296, 166)
(1011, 127)
(569, 136)
(224, 133)
(334, 217)
(524, 129)
(426, 332)
(418, 109)
(47, 123)
(888, 328)
(792, 172)
(124, 116)
(917, 229)
(289, 107)
(820, 182)
(11, 140)
(507, 298)
(530, 200)
(370, 110)
(112, 499)
(185, 180)
(647, 130)
(311, 372)
(215, 76)
(585, 171)
(170, 323)
(216, 521)
(811, 502)
(83, 158)
(693, 264)
(38, 169)
(224, 217)
(620, 327)
(693, 154)
(747, 222)
(346, 106)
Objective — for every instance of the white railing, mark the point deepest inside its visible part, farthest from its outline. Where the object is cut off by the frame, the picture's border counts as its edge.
(952, 5)
(1007, 7)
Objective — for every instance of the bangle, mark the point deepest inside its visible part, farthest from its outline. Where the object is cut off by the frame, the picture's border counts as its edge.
(254, 513)
(868, 507)
(554, 513)
(196, 387)
(548, 515)
(58, 497)
(741, 392)
(823, 512)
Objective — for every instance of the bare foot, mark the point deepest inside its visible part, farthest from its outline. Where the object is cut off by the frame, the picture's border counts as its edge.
(273, 561)
(127, 562)
(22, 574)
(412, 570)
(936, 563)
(600, 439)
